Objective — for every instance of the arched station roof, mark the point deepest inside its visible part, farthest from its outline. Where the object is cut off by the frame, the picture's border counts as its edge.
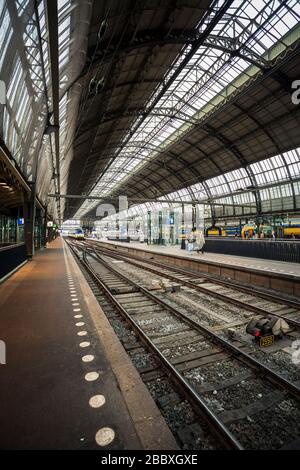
(186, 99)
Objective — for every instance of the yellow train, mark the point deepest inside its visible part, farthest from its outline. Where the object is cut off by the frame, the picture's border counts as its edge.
(289, 230)
(77, 233)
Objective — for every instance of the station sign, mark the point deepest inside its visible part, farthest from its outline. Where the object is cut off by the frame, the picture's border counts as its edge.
(50, 224)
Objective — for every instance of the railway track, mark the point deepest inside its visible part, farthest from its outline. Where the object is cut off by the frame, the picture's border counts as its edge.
(229, 375)
(247, 298)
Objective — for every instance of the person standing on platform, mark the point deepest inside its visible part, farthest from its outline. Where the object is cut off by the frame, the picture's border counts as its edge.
(200, 240)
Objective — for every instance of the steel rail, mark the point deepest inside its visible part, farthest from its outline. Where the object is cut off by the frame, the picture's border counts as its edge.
(218, 428)
(241, 355)
(231, 283)
(206, 291)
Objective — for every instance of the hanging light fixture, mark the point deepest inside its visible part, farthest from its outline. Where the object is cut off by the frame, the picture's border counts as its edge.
(100, 85)
(102, 29)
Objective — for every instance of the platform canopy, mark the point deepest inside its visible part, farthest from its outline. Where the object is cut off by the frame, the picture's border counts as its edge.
(187, 99)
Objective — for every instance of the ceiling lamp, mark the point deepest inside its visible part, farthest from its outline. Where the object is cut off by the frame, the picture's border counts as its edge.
(102, 29)
(92, 85)
(100, 85)
(50, 129)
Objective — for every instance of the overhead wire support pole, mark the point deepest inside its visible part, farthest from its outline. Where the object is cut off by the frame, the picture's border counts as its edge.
(52, 22)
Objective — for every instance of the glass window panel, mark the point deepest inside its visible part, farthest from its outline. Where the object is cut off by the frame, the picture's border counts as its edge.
(5, 34)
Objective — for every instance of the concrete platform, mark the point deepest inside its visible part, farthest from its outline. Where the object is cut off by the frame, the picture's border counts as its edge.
(276, 275)
(67, 382)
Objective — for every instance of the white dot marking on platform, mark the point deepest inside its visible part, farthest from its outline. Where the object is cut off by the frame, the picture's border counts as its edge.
(104, 436)
(80, 323)
(75, 304)
(97, 401)
(82, 333)
(85, 344)
(91, 376)
(88, 358)
(76, 309)
(74, 299)
(78, 316)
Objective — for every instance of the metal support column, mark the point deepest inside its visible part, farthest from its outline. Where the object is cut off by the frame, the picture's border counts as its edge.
(193, 217)
(149, 228)
(182, 228)
(44, 240)
(29, 219)
(160, 238)
(117, 227)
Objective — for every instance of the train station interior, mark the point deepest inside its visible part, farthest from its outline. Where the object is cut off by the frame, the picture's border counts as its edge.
(149, 226)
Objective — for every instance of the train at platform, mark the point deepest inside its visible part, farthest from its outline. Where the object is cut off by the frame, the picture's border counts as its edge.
(76, 233)
(286, 230)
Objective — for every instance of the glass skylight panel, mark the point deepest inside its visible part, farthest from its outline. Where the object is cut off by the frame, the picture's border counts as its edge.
(42, 17)
(64, 29)
(286, 190)
(63, 58)
(21, 6)
(281, 173)
(22, 105)
(294, 169)
(64, 38)
(6, 124)
(2, 4)
(204, 77)
(296, 186)
(245, 198)
(292, 156)
(15, 80)
(5, 33)
(62, 6)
